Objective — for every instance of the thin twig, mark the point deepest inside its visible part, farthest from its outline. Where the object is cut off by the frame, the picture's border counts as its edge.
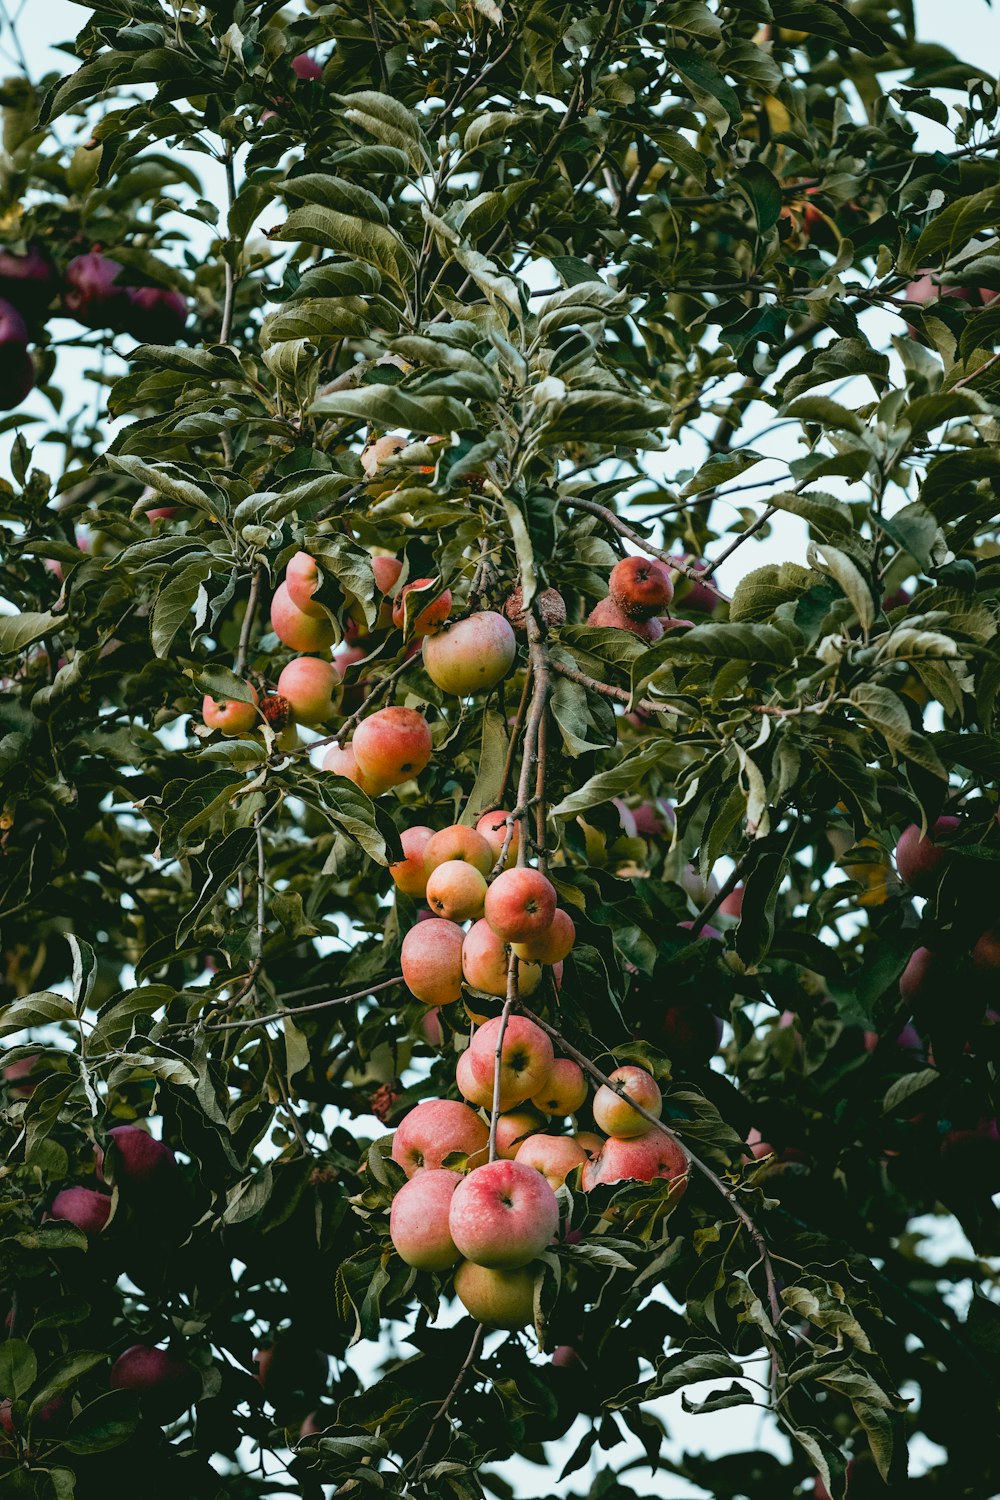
(618, 695)
(300, 1010)
(442, 1411)
(616, 523)
(378, 691)
(244, 645)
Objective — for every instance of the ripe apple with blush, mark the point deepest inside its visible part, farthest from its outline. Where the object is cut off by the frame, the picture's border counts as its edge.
(520, 904)
(503, 1215)
(138, 1158)
(615, 1115)
(493, 827)
(565, 1090)
(456, 891)
(555, 1156)
(418, 1220)
(435, 1129)
(471, 655)
(311, 686)
(459, 842)
(392, 745)
(611, 616)
(552, 944)
(431, 961)
(84, 1207)
(514, 1127)
(525, 1058)
(485, 958)
(641, 1158)
(166, 1385)
(230, 715)
(921, 860)
(409, 874)
(298, 630)
(433, 614)
(641, 587)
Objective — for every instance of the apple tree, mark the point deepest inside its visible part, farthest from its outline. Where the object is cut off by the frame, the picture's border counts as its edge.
(468, 976)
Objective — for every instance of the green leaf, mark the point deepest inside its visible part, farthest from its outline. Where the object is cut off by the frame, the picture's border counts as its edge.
(710, 91)
(627, 776)
(389, 121)
(376, 244)
(719, 469)
(105, 1423)
(329, 191)
(848, 576)
(388, 406)
(224, 862)
(885, 711)
(35, 1010)
(174, 603)
(735, 1395)
(763, 192)
(904, 1087)
(824, 18)
(84, 970)
(18, 1368)
(63, 1375)
(952, 229)
(20, 630)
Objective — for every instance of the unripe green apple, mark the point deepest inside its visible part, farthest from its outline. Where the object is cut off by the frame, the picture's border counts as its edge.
(500, 1299)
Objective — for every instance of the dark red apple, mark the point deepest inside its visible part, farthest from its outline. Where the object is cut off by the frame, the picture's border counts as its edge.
(29, 280)
(920, 860)
(156, 314)
(167, 1385)
(93, 292)
(139, 1159)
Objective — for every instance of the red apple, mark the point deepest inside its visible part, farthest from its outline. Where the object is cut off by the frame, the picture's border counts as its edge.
(691, 1033)
(433, 614)
(472, 655)
(555, 1156)
(230, 715)
(298, 630)
(456, 891)
(302, 581)
(564, 1091)
(392, 745)
(639, 1159)
(552, 944)
(513, 1128)
(525, 1058)
(339, 759)
(641, 587)
(919, 860)
(311, 686)
(493, 827)
(139, 1159)
(418, 1220)
(520, 904)
(306, 68)
(608, 614)
(431, 961)
(459, 843)
(409, 874)
(485, 957)
(167, 1385)
(502, 1215)
(614, 1115)
(375, 455)
(435, 1130)
(84, 1207)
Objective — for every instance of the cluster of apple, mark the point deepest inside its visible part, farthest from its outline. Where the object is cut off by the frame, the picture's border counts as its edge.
(496, 1216)
(515, 913)
(920, 862)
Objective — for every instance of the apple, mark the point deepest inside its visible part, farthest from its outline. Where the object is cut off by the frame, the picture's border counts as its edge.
(92, 292)
(296, 629)
(697, 887)
(459, 842)
(28, 281)
(759, 1148)
(555, 1156)
(608, 614)
(156, 315)
(430, 1025)
(375, 455)
(409, 874)
(431, 961)
(520, 904)
(392, 745)
(477, 1088)
(17, 370)
(502, 1215)
(138, 1158)
(418, 1220)
(306, 68)
(564, 1091)
(697, 596)
(549, 607)
(691, 1033)
(230, 715)
(500, 1299)
(84, 1207)
(552, 944)
(436, 1129)
(986, 953)
(654, 820)
(433, 614)
(493, 827)
(340, 760)
(456, 890)
(971, 1158)
(18, 1077)
(642, 1158)
(592, 1143)
(167, 1385)
(289, 1369)
(471, 655)
(310, 684)
(513, 1128)
(730, 908)
(923, 980)
(525, 1058)
(919, 860)
(614, 1115)
(641, 587)
(302, 581)
(485, 957)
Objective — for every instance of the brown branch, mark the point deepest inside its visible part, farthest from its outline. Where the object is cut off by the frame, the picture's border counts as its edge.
(300, 1010)
(242, 650)
(618, 695)
(442, 1411)
(744, 536)
(624, 529)
(508, 764)
(529, 751)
